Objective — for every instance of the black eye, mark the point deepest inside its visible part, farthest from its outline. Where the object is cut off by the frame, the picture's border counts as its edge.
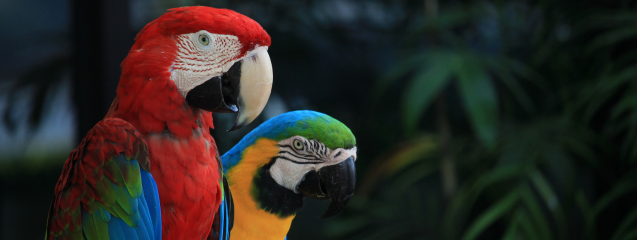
(298, 144)
(204, 40)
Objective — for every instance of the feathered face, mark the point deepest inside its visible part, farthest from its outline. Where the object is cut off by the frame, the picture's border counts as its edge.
(298, 156)
(295, 155)
(218, 59)
(310, 168)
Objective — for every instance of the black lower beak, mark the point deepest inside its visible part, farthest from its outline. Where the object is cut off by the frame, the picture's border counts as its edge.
(336, 183)
(218, 94)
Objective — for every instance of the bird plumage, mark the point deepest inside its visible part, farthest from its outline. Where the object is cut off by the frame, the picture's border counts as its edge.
(106, 185)
(264, 206)
(150, 112)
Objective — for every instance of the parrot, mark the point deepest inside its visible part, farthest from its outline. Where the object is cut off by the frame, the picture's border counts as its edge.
(289, 157)
(143, 172)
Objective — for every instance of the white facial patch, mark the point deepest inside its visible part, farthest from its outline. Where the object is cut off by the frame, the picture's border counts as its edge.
(298, 156)
(201, 56)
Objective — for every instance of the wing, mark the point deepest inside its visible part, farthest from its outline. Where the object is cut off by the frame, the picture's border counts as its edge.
(106, 190)
(224, 219)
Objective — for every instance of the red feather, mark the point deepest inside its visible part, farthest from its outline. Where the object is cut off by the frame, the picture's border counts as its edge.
(183, 154)
(84, 171)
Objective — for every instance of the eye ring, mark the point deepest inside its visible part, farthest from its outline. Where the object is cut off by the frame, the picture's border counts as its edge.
(297, 144)
(204, 39)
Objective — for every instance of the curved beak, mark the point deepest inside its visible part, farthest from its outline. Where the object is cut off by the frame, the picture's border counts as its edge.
(335, 182)
(244, 88)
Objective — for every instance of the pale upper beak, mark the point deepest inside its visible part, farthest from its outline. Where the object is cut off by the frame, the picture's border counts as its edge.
(244, 88)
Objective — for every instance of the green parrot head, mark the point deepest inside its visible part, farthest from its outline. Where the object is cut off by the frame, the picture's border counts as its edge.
(295, 155)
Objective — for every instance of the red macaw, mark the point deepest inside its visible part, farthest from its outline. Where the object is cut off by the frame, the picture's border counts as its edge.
(150, 169)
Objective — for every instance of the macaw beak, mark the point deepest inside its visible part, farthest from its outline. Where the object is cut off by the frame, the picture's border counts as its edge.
(335, 182)
(244, 88)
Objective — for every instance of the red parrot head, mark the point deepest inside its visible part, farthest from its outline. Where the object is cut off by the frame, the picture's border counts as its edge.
(216, 58)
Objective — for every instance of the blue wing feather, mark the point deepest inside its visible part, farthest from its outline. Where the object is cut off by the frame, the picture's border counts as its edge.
(151, 196)
(106, 190)
(147, 206)
(224, 219)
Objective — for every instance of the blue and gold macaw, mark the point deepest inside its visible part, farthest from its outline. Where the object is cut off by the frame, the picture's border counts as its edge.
(287, 158)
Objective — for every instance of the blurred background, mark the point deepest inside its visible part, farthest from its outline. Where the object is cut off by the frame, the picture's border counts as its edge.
(474, 119)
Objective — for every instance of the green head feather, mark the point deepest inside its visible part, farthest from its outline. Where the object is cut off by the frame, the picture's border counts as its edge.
(309, 124)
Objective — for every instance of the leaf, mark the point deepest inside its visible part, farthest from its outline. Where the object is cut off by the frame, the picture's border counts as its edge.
(626, 104)
(545, 190)
(585, 207)
(616, 192)
(479, 97)
(408, 178)
(631, 235)
(498, 174)
(527, 226)
(580, 148)
(419, 148)
(613, 37)
(466, 197)
(512, 231)
(526, 73)
(551, 199)
(400, 70)
(449, 18)
(496, 211)
(626, 224)
(536, 214)
(425, 86)
(507, 77)
(406, 154)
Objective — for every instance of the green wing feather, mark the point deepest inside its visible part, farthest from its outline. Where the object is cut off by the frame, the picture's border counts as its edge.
(100, 194)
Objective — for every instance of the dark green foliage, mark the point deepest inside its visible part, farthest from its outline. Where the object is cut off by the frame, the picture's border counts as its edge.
(550, 95)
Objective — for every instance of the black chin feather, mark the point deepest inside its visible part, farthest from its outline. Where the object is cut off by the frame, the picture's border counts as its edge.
(272, 197)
